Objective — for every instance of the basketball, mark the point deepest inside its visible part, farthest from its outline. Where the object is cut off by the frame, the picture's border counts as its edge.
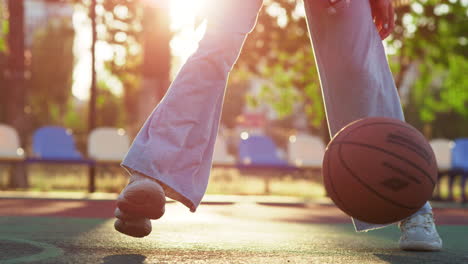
(379, 170)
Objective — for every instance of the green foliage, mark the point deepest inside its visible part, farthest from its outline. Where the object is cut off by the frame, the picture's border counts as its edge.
(3, 32)
(123, 18)
(3, 57)
(74, 117)
(432, 35)
(121, 26)
(107, 104)
(429, 33)
(51, 73)
(234, 102)
(3, 27)
(281, 54)
(455, 85)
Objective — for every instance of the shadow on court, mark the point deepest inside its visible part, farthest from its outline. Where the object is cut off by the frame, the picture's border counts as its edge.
(125, 258)
(76, 231)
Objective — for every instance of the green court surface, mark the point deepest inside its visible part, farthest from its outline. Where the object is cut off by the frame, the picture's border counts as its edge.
(73, 231)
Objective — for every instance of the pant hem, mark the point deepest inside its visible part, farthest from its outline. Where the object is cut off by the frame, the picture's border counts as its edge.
(168, 190)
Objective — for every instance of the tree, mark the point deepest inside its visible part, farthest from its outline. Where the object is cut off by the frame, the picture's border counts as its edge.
(107, 103)
(235, 102)
(156, 60)
(51, 73)
(279, 51)
(3, 58)
(122, 22)
(431, 36)
(139, 34)
(15, 73)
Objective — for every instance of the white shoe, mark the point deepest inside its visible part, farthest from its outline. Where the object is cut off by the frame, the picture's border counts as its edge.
(142, 199)
(140, 227)
(418, 233)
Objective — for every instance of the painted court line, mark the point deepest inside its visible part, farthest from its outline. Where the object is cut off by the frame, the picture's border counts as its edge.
(48, 251)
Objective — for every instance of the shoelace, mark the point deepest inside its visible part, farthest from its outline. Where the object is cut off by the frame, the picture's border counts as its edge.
(426, 222)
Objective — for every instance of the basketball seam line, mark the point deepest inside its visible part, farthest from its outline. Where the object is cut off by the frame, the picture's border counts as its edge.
(399, 140)
(343, 207)
(364, 125)
(340, 133)
(403, 125)
(368, 187)
(391, 154)
(401, 172)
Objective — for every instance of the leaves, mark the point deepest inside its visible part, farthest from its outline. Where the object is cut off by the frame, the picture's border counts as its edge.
(51, 72)
(432, 36)
(279, 52)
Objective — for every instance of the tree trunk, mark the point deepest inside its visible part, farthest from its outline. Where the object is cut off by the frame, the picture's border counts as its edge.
(15, 91)
(16, 68)
(156, 61)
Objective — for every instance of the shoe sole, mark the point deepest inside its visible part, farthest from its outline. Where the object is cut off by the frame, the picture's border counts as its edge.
(142, 199)
(125, 217)
(420, 246)
(135, 228)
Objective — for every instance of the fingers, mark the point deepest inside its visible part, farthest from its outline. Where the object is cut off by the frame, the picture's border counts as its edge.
(378, 24)
(391, 19)
(383, 18)
(387, 19)
(389, 23)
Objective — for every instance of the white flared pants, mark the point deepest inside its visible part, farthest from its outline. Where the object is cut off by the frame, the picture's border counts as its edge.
(175, 145)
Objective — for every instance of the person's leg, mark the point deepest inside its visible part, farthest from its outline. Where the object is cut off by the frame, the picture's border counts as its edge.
(354, 73)
(175, 145)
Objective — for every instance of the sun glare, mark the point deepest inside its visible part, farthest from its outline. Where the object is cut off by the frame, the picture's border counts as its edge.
(183, 16)
(183, 13)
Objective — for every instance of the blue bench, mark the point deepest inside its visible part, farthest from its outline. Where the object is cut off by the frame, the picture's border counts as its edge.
(459, 166)
(258, 154)
(54, 144)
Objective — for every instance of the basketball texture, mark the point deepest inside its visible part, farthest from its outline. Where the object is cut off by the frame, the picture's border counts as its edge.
(379, 170)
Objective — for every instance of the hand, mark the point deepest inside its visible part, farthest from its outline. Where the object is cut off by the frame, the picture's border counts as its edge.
(383, 15)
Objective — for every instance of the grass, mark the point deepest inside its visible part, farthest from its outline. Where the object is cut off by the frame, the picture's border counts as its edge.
(222, 181)
(457, 190)
(232, 182)
(113, 180)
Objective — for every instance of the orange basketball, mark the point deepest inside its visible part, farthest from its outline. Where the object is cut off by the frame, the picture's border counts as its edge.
(379, 170)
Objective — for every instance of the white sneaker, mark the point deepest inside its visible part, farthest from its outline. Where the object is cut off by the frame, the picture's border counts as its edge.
(418, 233)
(139, 227)
(142, 199)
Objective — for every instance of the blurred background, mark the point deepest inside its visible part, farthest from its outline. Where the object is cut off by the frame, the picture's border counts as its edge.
(84, 66)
